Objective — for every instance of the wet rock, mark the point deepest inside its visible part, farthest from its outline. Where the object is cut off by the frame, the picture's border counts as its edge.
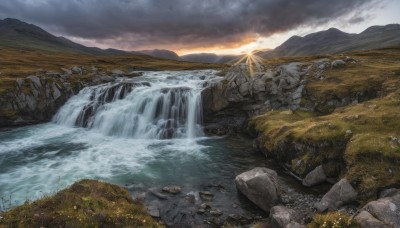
(107, 79)
(172, 189)
(205, 206)
(338, 63)
(134, 74)
(216, 212)
(190, 198)
(237, 219)
(260, 185)
(206, 195)
(154, 212)
(281, 216)
(315, 177)
(158, 194)
(201, 211)
(386, 210)
(366, 220)
(340, 194)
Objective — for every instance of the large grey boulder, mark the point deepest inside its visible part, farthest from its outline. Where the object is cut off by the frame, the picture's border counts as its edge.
(340, 194)
(338, 63)
(281, 216)
(386, 210)
(366, 220)
(260, 185)
(315, 177)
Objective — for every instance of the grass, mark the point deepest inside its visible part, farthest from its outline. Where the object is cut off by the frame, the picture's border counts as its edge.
(354, 135)
(333, 220)
(87, 203)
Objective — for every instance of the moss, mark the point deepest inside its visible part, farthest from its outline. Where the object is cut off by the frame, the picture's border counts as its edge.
(333, 220)
(359, 141)
(87, 203)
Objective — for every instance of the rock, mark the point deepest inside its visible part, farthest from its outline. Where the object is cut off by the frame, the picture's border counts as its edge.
(190, 198)
(20, 82)
(35, 80)
(201, 211)
(172, 189)
(340, 194)
(386, 209)
(315, 177)
(260, 185)
(206, 195)
(338, 63)
(349, 132)
(158, 194)
(205, 206)
(153, 211)
(134, 74)
(281, 216)
(76, 70)
(117, 72)
(107, 79)
(388, 192)
(216, 212)
(366, 220)
(67, 71)
(234, 218)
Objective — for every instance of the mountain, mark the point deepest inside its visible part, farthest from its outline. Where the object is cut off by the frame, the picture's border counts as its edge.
(208, 58)
(335, 41)
(161, 53)
(17, 34)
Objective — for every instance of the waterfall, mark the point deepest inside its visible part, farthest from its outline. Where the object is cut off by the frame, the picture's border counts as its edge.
(153, 106)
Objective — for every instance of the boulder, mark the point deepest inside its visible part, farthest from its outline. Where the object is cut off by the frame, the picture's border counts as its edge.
(281, 216)
(338, 63)
(340, 194)
(386, 210)
(117, 72)
(76, 70)
(172, 189)
(35, 80)
(107, 79)
(366, 220)
(260, 185)
(295, 225)
(315, 177)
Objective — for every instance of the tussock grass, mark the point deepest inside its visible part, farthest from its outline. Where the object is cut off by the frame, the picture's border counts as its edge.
(365, 136)
(87, 203)
(333, 220)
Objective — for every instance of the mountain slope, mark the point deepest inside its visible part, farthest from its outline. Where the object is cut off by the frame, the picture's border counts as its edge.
(19, 35)
(208, 58)
(335, 41)
(161, 53)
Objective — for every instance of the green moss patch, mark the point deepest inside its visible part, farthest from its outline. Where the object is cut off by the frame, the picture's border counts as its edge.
(333, 220)
(87, 203)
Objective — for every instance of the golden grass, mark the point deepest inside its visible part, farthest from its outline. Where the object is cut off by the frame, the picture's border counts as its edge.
(333, 220)
(87, 203)
(366, 136)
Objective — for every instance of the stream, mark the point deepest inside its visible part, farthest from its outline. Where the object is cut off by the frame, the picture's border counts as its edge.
(142, 133)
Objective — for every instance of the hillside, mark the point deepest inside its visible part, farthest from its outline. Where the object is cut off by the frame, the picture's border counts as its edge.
(334, 41)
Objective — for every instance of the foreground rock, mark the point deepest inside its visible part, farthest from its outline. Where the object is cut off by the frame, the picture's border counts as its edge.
(384, 212)
(340, 194)
(260, 185)
(281, 217)
(87, 203)
(315, 177)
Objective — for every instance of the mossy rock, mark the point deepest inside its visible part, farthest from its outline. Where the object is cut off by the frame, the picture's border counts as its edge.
(87, 203)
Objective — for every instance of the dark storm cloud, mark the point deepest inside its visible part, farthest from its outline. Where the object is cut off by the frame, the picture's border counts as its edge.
(178, 23)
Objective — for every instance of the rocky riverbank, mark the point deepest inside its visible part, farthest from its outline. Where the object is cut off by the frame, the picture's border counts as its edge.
(330, 119)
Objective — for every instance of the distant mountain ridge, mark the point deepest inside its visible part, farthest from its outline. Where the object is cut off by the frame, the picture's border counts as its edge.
(335, 41)
(20, 35)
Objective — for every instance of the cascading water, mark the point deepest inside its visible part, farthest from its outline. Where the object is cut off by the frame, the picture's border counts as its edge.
(154, 106)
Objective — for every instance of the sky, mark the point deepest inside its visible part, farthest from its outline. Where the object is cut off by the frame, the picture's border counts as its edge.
(193, 26)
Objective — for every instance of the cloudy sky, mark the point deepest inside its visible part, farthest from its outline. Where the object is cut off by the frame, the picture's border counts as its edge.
(187, 26)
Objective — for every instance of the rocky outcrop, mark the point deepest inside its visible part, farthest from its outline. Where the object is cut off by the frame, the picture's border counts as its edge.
(282, 216)
(384, 212)
(340, 194)
(260, 185)
(36, 98)
(231, 100)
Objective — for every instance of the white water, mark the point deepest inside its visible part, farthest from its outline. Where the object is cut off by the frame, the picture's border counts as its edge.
(113, 132)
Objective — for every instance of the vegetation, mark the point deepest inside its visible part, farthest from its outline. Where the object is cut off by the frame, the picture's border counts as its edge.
(333, 220)
(87, 203)
(345, 140)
